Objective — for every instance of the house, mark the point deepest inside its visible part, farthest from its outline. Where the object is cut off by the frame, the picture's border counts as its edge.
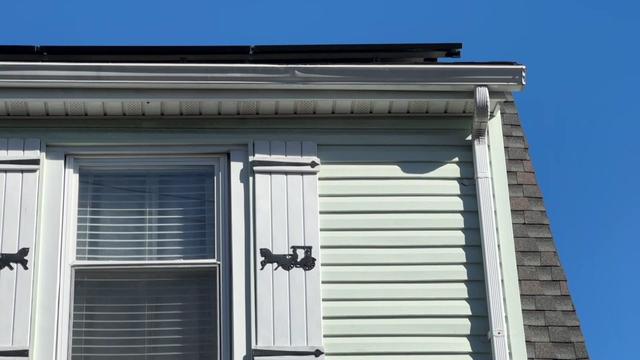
(353, 202)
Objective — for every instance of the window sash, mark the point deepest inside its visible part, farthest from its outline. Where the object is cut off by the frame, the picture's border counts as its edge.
(141, 213)
(119, 162)
(129, 161)
(213, 271)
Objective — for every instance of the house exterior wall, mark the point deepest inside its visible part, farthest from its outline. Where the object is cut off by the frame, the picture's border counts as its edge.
(403, 150)
(401, 254)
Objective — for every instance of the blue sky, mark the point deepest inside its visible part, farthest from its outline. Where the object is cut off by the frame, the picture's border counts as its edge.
(579, 109)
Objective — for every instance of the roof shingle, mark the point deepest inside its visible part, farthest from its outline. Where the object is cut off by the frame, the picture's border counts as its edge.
(552, 329)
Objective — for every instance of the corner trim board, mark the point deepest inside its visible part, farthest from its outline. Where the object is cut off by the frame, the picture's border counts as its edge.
(510, 281)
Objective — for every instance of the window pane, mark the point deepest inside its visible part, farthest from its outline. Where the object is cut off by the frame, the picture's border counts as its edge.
(146, 215)
(145, 314)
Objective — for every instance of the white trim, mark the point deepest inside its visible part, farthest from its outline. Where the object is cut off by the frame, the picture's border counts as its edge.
(109, 103)
(46, 285)
(488, 232)
(51, 326)
(134, 160)
(154, 263)
(482, 111)
(67, 247)
(131, 148)
(510, 280)
(448, 77)
(239, 239)
(145, 161)
(119, 94)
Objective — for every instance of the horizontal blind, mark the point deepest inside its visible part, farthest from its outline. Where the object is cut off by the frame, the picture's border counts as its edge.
(146, 314)
(146, 215)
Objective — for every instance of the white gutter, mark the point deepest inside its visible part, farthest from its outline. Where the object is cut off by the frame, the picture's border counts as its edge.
(435, 77)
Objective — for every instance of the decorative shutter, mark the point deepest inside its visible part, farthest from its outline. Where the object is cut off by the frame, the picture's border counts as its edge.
(288, 301)
(19, 165)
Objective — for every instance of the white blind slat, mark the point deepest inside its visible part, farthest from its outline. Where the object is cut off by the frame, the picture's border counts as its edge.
(142, 313)
(130, 214)
(145, 314)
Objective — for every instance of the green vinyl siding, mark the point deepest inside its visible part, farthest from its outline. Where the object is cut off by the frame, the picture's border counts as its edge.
(400, 249)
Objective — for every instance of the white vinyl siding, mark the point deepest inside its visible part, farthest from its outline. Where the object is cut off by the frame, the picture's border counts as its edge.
(401, 257)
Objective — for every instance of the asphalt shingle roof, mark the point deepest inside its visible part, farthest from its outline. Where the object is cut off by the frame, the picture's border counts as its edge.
(552, 328)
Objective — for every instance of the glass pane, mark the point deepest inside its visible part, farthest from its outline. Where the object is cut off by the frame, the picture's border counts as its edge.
(145, 314)
(146, 215)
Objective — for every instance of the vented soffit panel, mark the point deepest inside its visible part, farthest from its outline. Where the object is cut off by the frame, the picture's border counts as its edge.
(239, 107)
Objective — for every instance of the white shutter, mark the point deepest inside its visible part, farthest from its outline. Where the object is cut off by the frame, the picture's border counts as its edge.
(288, 303)
(19, 164)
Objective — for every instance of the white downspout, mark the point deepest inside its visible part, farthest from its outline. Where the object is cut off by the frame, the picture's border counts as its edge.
(488, 232)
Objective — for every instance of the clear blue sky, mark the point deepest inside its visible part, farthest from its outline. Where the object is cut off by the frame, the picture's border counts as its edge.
(580, 109)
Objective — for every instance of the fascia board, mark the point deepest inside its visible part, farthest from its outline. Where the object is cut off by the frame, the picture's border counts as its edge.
(126, 94)
(436, 77)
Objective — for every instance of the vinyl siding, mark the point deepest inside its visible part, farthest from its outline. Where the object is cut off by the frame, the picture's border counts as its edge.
(402, 267)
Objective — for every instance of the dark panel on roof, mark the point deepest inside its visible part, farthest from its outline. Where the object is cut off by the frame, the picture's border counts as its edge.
(258, 54)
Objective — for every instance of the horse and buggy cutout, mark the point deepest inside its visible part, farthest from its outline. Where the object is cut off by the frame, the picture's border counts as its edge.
(289, 261)
(18, 258)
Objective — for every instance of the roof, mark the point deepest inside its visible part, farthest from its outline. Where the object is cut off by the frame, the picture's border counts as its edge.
(246, 80)
(551, 325)
(328, 67)
(251, 54)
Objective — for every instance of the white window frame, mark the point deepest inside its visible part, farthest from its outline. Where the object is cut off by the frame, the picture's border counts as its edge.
(229, 164)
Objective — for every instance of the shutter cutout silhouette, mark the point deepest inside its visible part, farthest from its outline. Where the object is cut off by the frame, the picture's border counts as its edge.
(288, 301)
(19, 170)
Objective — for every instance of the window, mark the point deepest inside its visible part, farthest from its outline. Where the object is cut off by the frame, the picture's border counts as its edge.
(144, 245)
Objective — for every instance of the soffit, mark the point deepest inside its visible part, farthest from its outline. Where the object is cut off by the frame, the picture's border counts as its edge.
(227, 90)
(234, 107)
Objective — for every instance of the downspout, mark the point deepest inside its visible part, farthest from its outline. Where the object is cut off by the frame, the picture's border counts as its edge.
(488, 232)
